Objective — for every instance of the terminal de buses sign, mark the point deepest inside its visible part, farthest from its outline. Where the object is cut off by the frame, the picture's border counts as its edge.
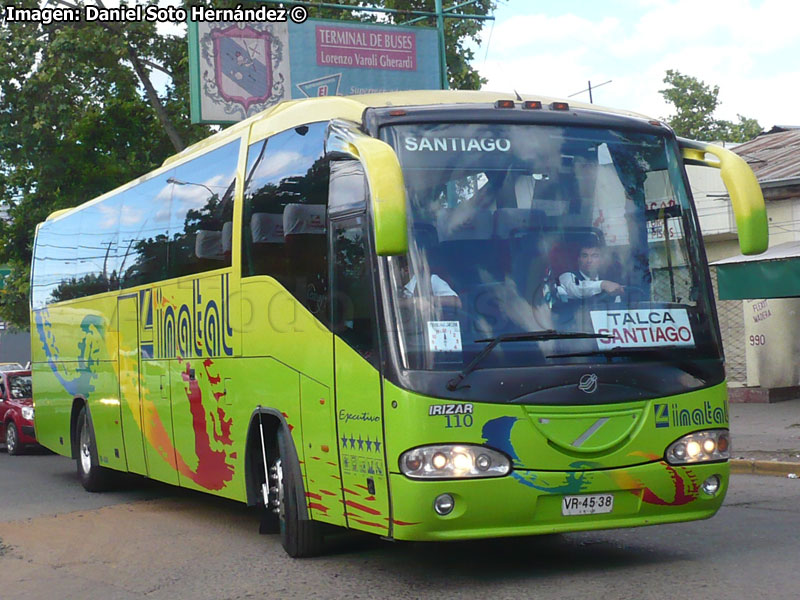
(240, 68)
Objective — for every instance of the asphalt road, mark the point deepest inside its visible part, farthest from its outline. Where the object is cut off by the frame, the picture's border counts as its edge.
(152, 541)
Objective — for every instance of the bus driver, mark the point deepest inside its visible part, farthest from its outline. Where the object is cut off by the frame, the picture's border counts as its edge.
(585, 283)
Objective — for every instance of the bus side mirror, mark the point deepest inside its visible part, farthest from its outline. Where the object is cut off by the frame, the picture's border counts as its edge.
(743, 188)
(387, 192)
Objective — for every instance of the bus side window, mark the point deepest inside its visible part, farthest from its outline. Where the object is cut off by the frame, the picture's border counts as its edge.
(47, 264)
(143, 216)
(55, 261)
(201, 212)
(96, 268)
(284, 223)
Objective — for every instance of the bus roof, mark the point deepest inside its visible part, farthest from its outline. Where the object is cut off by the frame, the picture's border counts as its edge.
(292, 113)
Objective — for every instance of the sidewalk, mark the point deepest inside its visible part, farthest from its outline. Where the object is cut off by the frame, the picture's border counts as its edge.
(765, 438)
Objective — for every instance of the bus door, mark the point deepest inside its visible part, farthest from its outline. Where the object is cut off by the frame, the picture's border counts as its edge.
(359, 415)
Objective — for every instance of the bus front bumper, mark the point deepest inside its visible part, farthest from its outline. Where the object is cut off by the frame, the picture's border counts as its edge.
(531, 502)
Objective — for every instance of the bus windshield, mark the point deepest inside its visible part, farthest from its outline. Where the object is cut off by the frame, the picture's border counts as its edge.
(516, 229)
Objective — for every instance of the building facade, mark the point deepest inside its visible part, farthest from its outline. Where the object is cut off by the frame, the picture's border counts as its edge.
(761, 336)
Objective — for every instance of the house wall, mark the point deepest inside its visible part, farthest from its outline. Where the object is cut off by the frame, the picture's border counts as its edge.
(761, 338)
(718, 226)
(772, 345)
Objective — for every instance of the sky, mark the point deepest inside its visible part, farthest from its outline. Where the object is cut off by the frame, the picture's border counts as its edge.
(749, 48)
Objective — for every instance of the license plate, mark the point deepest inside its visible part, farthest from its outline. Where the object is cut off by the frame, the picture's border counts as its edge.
(587, 504)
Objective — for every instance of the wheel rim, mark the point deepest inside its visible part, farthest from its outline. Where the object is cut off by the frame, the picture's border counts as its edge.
(281, 493)
(85, 450)
(11, 438)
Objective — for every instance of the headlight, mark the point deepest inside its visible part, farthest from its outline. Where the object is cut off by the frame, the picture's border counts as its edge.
(27, 413)
(700, 446)
(453, 461)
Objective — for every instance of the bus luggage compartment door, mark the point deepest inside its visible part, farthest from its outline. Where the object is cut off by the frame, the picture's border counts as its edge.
(323, 480)
(129, 391)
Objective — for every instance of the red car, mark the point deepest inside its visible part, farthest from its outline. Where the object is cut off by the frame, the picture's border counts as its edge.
(16, 410)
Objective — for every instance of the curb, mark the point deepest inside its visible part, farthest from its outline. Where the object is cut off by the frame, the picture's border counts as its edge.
(764, 467)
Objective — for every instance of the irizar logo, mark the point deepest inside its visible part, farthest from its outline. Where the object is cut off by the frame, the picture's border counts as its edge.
(669, 415)
(588, 383)
(449, 409)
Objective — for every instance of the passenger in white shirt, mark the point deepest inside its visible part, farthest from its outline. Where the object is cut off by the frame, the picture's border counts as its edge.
(442, 291)
(438, 285)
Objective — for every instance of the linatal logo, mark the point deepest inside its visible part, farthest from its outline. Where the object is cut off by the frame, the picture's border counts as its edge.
(588, 383)
(662, 415)
(673, 416)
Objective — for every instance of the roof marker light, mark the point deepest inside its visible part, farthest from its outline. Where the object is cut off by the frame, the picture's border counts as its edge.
(397, 112)
(559, 106)
(504, 104)
(532, 104)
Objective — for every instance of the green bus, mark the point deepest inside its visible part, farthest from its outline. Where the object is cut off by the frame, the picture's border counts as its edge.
(429, 315)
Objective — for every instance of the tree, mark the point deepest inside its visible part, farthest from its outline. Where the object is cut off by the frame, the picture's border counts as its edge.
(457, 32)
(695, 103)
(743, 131)
(75, 122)
(80, 113)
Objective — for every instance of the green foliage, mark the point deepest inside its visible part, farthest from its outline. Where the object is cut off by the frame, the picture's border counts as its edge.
(457, 33)
(743, 131)
(75, 123)
(695, 103)
(14, 297)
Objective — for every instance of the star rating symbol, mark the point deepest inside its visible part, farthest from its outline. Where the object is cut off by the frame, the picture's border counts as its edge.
(361, 442)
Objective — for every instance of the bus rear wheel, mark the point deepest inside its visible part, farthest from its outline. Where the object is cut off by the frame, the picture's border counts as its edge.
(93, 477)
(300, 538)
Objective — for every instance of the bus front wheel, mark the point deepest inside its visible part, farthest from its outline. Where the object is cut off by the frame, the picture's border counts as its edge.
(300, 538)
(93, 477)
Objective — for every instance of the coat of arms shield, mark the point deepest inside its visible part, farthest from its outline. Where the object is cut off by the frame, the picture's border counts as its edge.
(243, 65)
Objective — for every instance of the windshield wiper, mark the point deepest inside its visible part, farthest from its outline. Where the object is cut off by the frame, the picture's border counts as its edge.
(537, 336)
